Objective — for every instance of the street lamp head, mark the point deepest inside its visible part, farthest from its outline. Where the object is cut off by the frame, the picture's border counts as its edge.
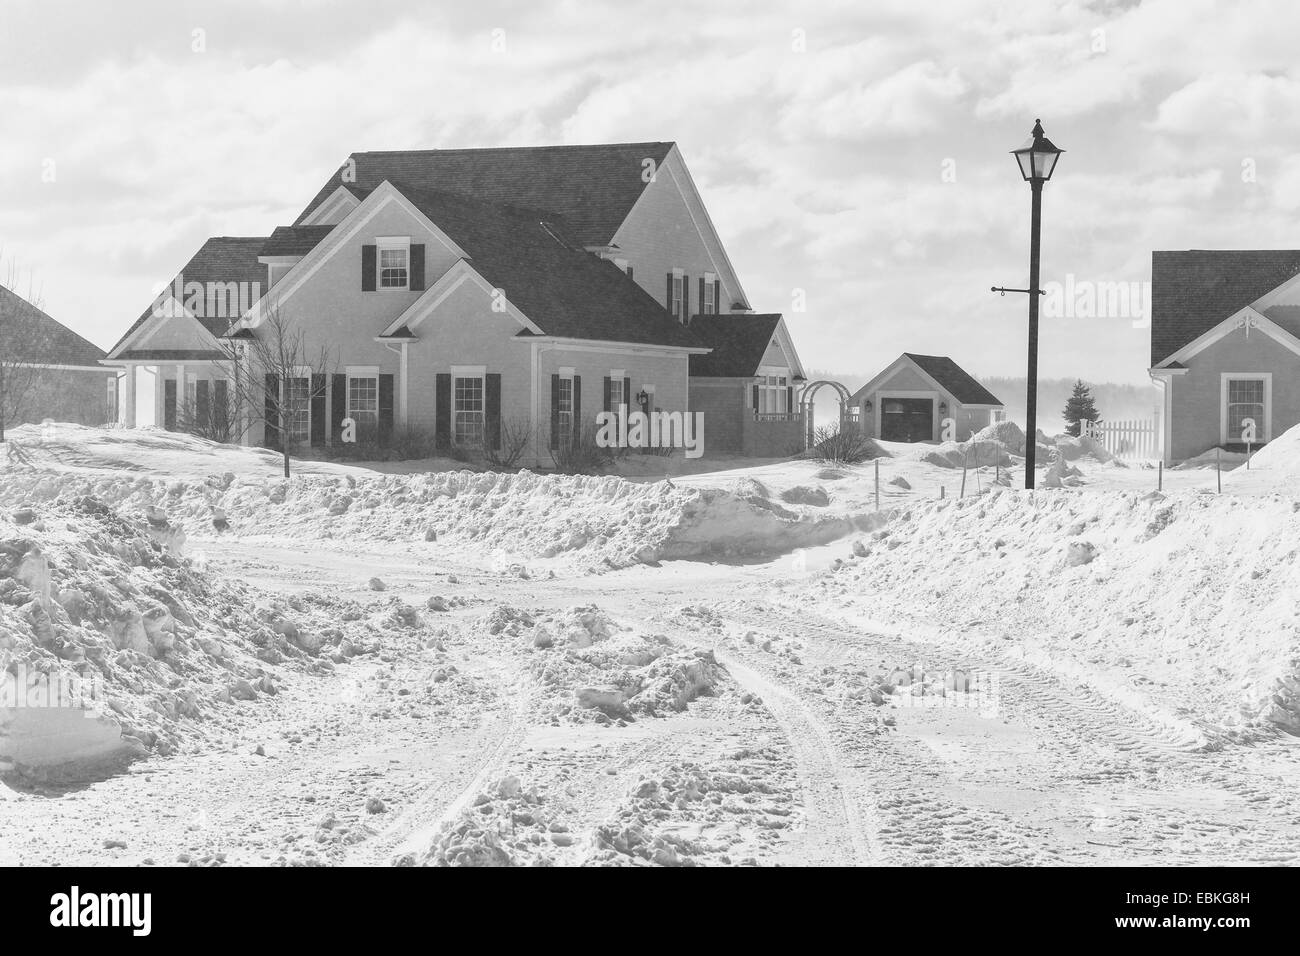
(1037, 158)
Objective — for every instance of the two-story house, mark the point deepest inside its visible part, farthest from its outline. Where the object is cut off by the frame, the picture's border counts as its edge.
(459, 290)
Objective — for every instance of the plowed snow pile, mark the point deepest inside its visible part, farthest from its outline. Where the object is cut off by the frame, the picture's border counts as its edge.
(93, 600)
(598, 521)
(589, 668)
(1183, 607)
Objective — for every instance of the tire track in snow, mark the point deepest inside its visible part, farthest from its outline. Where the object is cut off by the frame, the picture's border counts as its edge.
(914, 824)
(839, 831)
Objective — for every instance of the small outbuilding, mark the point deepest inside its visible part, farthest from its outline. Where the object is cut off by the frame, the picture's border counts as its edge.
(913, 397)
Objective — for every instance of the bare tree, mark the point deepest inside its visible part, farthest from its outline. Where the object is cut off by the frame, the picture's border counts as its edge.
(275, 375)
(23, 339)
(510, 435)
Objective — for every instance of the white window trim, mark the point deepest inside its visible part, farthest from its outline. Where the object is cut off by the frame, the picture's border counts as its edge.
(1265, 431)
(357, 372)
(390, 243)
(468, 371)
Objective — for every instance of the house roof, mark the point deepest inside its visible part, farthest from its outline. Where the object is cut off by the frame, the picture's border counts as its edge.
(1194, 290)
(593, 187)
(294, 240)
(546, 274)
(739, 343)
(51, 342)
(221, 259)
(954, 379)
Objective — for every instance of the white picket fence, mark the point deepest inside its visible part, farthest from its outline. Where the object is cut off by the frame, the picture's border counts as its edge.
(1133, 439)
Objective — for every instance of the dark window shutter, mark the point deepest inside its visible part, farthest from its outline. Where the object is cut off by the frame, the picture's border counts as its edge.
(627, 392)
(685, 315)
(756, 401)
(669, 301)
(417, 267)
(368, 260)
(271, 412)
(577, 406)
(442, 410)
(492, 409)
(701, 295)
(555, 405)
(318, 422)
(717, 296)
(338, 405)
(629, 272)
(789, 398)
(202, 409)
(221, 410)
(609, 382)
(385, 407)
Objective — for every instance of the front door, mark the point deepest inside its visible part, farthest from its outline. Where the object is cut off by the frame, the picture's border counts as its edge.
(907, 419)
(169, 404)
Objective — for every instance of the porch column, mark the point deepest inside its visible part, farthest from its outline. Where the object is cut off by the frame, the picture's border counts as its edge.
(401, 394)
(159, 394)
(126, 414)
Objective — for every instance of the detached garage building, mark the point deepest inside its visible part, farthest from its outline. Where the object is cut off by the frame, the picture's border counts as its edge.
(910, 400)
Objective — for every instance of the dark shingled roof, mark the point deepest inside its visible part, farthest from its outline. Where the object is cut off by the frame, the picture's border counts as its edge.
(1195, 290)
(51, 342)
(956, 381)
(739, 343)
(294, 240)
(543, 272)
(220, 259)
(592, 188)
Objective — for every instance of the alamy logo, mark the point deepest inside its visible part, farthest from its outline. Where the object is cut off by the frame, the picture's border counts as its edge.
(74, 908)
(655, 429)
(213, 300)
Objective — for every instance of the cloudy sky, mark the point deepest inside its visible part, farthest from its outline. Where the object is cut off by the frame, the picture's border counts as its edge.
(856, 152)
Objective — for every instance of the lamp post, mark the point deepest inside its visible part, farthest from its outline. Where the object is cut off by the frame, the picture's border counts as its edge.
(1037, 160)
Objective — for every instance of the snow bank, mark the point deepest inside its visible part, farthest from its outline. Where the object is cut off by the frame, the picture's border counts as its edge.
(1275, 468)
(1182, 606)
(602, 521)
(98, 615)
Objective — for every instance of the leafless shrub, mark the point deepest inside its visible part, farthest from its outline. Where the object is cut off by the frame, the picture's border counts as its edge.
(837, 446)
(513, 442)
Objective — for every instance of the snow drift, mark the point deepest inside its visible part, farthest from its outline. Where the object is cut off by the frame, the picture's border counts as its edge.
(600, 521)
(1182, 606)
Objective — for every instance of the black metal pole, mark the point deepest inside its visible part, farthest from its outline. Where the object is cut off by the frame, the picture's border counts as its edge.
(1031, 390)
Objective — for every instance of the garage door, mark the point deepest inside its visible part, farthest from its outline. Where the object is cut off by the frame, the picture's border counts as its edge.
(907, 419)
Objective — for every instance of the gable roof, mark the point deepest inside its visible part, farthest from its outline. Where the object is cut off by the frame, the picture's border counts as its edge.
(294, 240)
(544, 272)
(954, 379)
(52, 342)
(1195, 290)
(221, 259)
(739, 342)
(592, 187)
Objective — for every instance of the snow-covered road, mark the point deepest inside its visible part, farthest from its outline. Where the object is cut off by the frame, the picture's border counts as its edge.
(1045, 772)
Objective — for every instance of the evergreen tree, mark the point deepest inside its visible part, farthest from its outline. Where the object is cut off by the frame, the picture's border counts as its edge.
(1079, 407)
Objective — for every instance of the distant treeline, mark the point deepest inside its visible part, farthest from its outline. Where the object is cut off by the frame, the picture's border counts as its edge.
(1114, 401)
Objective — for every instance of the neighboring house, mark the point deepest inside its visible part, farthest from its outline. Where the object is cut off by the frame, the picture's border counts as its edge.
(913, 397)
(460, 292)
(1225, 347)
(747, 385)
(67, 383)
